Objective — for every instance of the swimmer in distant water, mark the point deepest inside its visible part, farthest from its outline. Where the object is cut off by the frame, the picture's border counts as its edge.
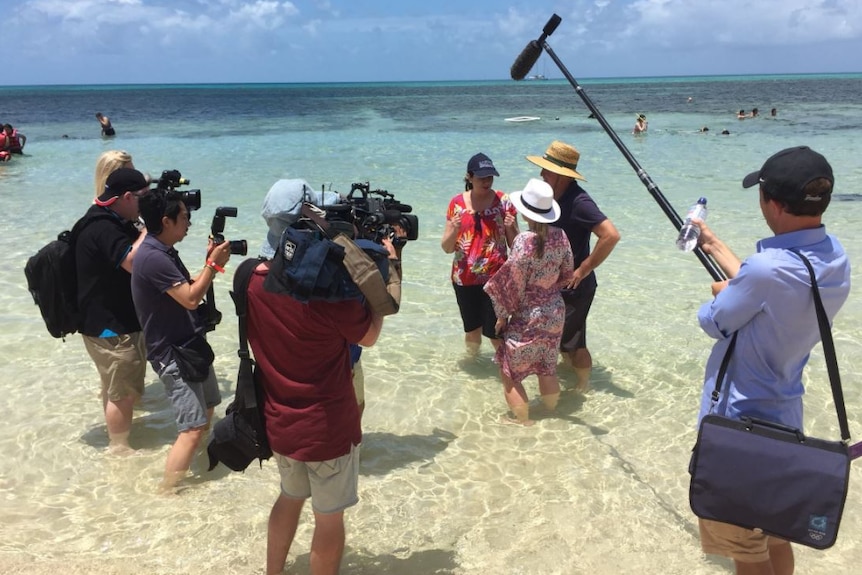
(11, 140)
(754, 113)
(725, 132)
(107, 128)
(641, 125)
(704, 129)
(773, 112)
(741, 115)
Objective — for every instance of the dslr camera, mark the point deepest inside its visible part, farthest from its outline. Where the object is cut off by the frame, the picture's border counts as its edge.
(237, 247)
(173, 179)
(374, 214)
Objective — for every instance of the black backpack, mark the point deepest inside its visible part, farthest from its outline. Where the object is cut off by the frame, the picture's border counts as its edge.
(52, 279)
(240, 437)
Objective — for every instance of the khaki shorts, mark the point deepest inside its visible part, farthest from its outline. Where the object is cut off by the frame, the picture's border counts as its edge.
(121, 362)
(332, 485)
(359, 382)
(743, 545)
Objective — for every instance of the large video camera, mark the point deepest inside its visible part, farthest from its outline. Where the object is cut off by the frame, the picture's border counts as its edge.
(171, 180)
(374, 217)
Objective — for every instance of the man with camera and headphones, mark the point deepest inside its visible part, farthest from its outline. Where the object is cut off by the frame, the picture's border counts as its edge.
(301, 347)
(166, 300)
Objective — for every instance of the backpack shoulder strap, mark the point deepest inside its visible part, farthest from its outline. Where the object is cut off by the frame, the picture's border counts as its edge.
(86, 220)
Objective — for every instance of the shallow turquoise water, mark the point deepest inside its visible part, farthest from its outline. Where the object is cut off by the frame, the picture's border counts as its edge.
(445, 488)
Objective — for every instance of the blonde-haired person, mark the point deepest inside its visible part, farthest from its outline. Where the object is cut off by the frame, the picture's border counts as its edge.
(526, 295)
(107, 163)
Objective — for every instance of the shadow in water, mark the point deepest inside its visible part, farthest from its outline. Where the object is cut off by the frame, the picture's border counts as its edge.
(384, 452)
(570, 403)
(601, 379)
(480, 366)
(430, 562)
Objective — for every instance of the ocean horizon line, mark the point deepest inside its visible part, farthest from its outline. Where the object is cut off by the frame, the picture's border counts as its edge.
(546, 79)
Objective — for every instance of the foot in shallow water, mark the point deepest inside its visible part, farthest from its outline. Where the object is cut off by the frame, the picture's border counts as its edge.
(508, 419)
(472, 348)
(120, 450)
(582, 387)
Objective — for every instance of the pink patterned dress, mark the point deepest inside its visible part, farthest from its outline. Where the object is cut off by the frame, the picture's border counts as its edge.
(527, 288)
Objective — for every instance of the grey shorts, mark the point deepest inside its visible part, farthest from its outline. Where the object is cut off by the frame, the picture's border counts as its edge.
(332, 485)
(190, 400)
(121, 362)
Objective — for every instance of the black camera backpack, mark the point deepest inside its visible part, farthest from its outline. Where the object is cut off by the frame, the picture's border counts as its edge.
(52, 279)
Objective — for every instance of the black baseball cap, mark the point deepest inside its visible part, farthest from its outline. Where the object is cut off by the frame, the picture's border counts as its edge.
(785, 174)
(119, 182)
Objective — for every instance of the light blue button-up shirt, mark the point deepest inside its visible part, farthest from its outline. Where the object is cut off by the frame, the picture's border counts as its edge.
(771, 305)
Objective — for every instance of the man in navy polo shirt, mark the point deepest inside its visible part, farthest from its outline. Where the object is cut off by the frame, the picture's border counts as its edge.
(166, 300)
(581, 219)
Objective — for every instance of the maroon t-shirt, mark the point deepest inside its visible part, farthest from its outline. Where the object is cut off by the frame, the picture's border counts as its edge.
(303, 360)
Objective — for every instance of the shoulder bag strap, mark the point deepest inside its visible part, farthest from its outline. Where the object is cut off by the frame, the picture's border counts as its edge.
(239, 294)
(828, 352)
(716, 393)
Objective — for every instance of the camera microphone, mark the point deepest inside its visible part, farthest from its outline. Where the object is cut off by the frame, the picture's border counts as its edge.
(531, 52)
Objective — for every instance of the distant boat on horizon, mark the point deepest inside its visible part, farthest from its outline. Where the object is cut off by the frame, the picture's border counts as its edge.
(543, 63)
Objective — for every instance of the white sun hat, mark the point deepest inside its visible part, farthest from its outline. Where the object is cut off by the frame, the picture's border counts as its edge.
(536, 202)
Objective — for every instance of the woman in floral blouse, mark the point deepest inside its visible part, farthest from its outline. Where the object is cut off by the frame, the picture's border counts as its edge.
(480, 225)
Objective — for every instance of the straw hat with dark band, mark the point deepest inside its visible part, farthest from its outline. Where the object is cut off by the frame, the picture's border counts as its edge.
(560, 158)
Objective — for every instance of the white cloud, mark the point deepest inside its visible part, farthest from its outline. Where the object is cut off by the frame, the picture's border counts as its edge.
(233, 40)
(764, 22)
(263, 14)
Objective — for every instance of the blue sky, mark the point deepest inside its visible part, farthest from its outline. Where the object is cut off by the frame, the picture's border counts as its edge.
(200, 41)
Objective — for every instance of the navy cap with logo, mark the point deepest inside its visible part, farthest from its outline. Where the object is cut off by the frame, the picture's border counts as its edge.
(481, 166)
(121, 181)
(785, 174)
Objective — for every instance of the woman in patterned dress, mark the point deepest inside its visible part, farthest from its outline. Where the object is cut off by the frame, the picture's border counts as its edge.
(525, 293)
(480, 225)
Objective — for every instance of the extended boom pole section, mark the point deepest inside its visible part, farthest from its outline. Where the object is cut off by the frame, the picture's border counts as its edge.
(529, 56)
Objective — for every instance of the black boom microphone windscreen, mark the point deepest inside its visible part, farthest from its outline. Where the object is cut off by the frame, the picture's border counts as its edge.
(526, 59)
(531, 52)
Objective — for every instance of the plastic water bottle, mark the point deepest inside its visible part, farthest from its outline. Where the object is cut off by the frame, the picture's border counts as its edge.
(689, 232)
